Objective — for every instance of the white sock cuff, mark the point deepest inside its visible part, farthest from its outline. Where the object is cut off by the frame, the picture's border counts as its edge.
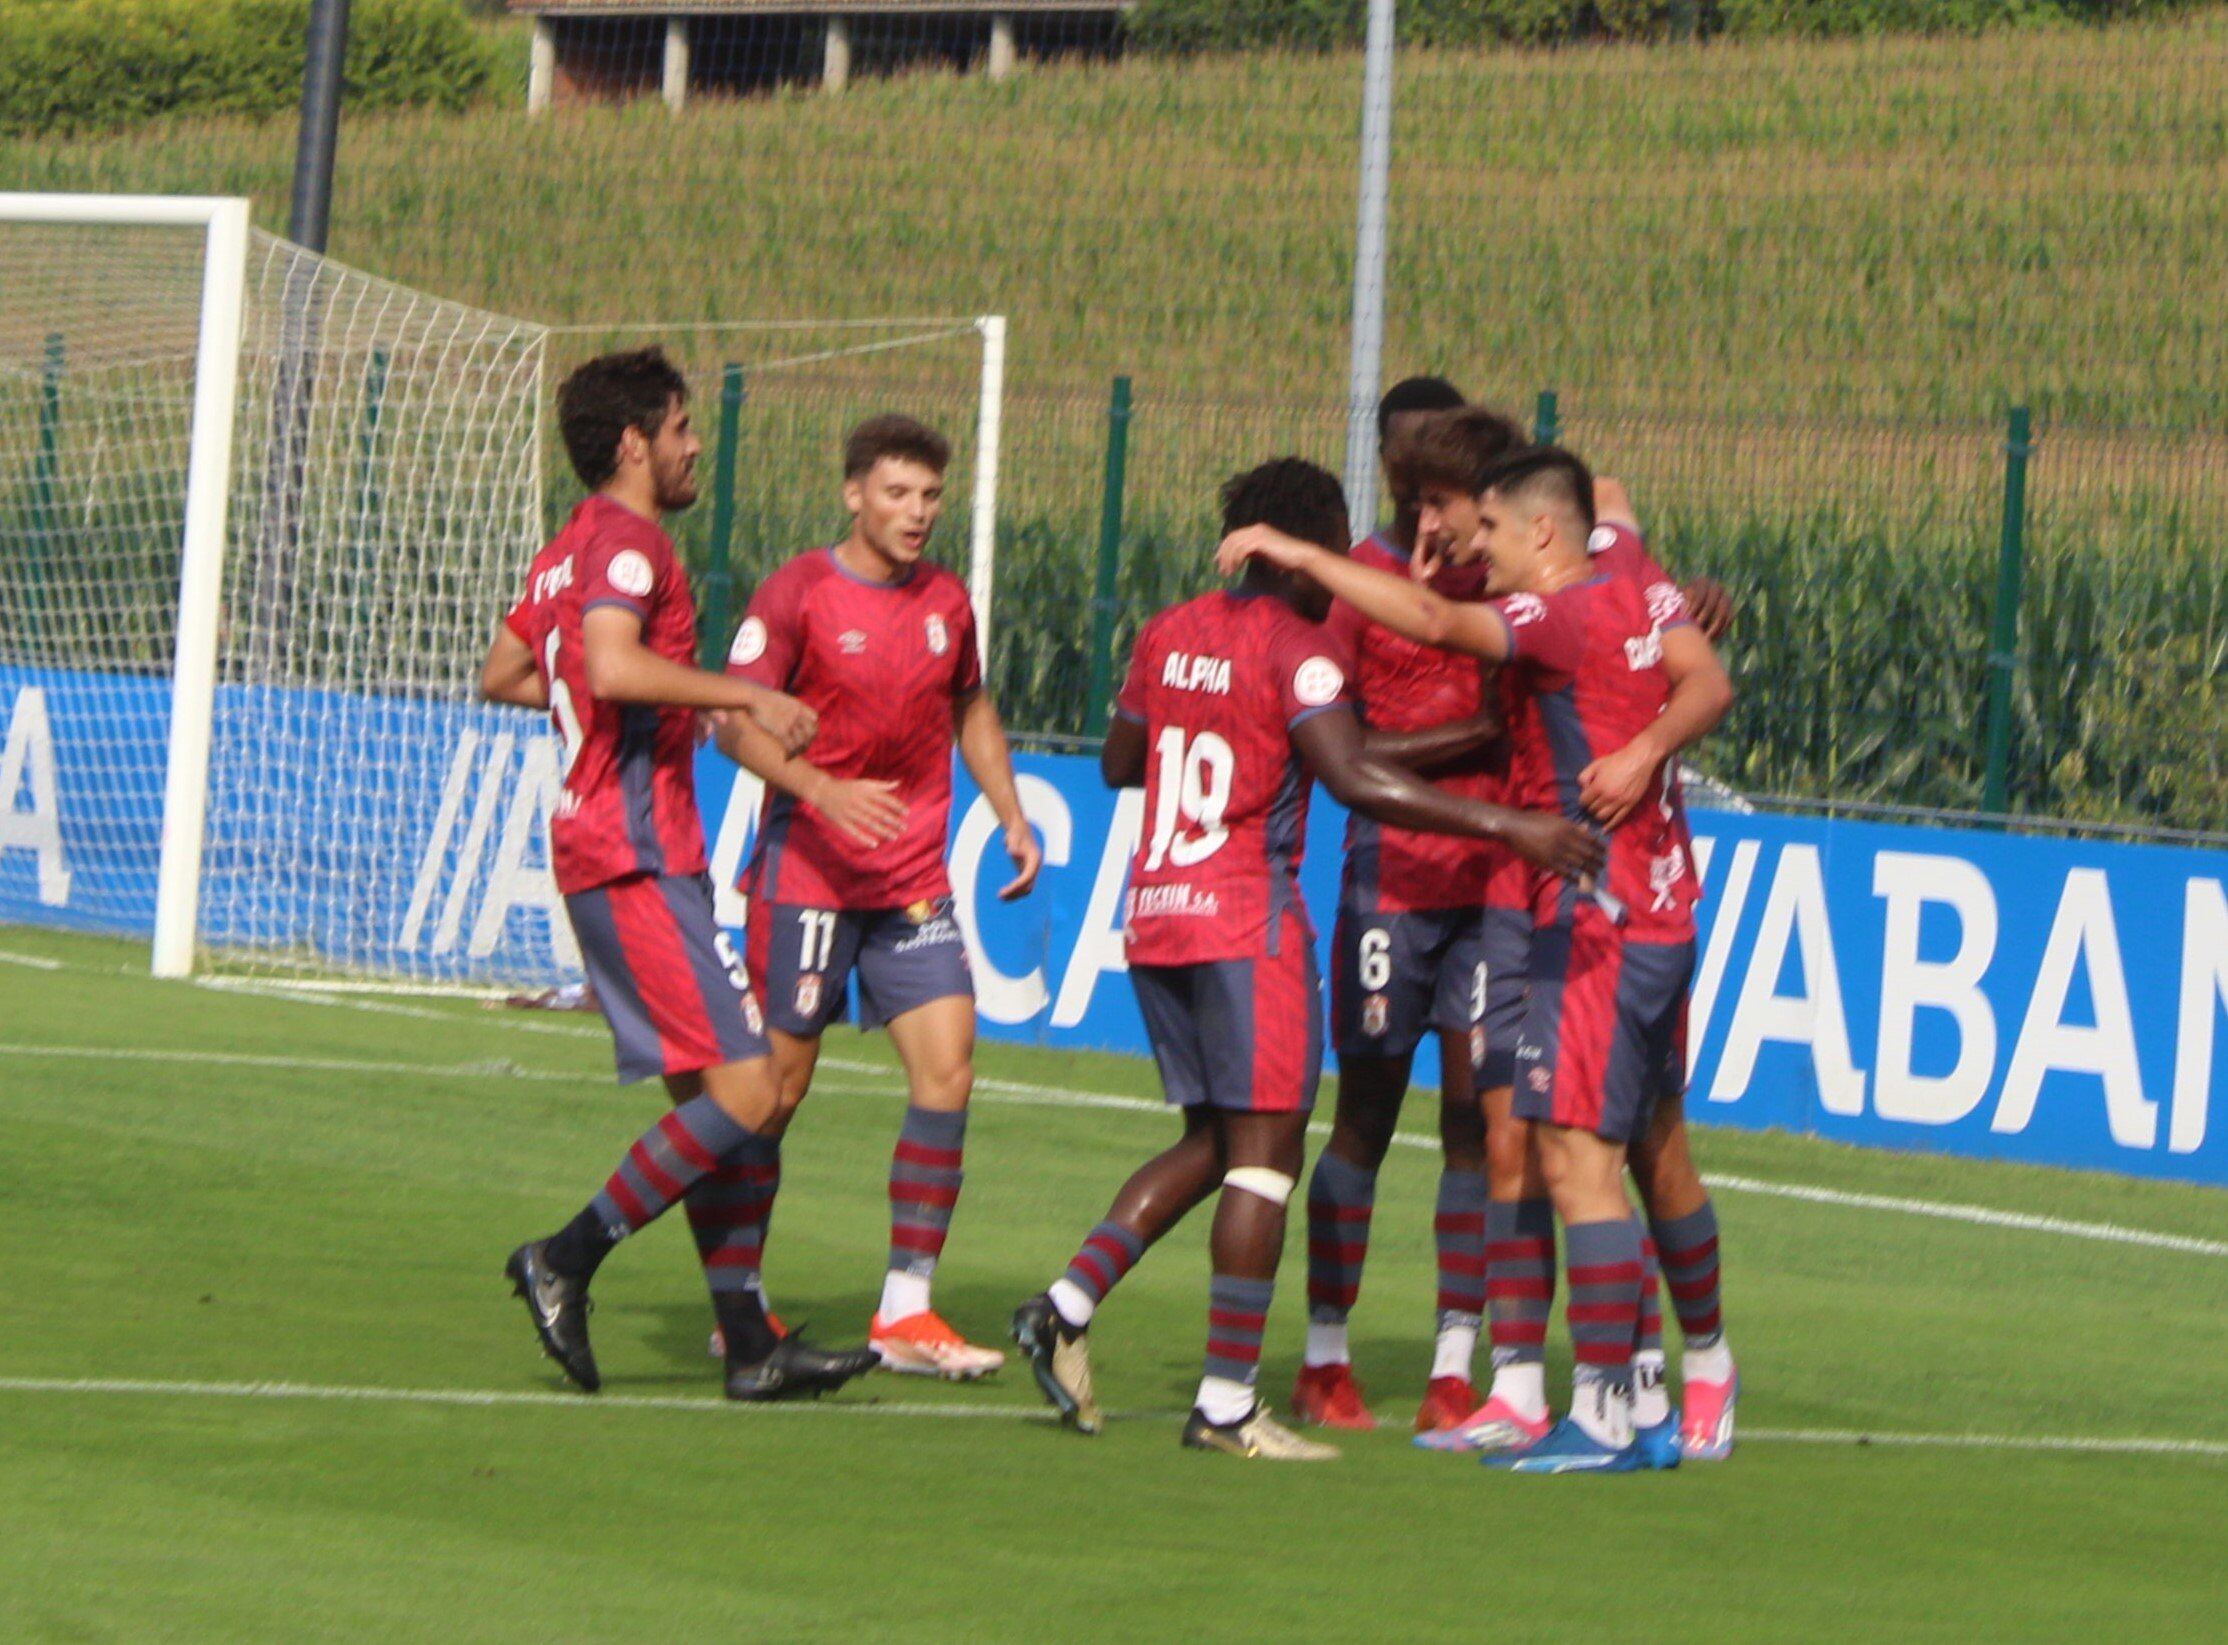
(1273, 1186)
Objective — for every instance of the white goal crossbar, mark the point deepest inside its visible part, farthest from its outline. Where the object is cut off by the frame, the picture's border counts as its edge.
(208, 494)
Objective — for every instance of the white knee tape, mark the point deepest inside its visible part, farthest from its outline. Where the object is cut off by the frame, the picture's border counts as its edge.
(1273, 1186)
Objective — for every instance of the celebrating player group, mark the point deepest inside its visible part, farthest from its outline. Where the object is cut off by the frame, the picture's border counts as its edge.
(1496, 688)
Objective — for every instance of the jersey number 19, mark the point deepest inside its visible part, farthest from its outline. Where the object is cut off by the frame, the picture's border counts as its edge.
(1193, 786)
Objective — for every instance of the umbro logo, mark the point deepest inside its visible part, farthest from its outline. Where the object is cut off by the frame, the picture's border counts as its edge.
(852, 641)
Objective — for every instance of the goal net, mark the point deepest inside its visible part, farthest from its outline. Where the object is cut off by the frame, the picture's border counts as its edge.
(259, 514)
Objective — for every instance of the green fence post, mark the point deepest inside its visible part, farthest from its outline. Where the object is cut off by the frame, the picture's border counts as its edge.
(1547, 425)
(46, 468)
(2010, 573)
(367, 443)
(1104, 601)
(719, 572)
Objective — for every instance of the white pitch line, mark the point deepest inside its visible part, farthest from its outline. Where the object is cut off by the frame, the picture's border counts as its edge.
(1985, 1216)
(486, 1398)
(2131, 1446)
(36, 962)
(1015, 1091)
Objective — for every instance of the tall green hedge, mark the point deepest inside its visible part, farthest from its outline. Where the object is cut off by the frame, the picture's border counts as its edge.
(67, 64)
(1316, 25)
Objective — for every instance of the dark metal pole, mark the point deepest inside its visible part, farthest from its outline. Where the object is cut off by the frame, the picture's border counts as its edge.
(1105, 601)
(719, 570)
(1547, 420)
(2003, 652)
(312, 210)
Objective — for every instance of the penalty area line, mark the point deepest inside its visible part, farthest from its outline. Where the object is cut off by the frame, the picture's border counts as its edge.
(499, 1398)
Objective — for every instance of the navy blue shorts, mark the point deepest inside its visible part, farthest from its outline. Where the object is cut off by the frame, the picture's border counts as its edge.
(803, 959)
(1604, 1038)
(1245, 1035)
(1461, 970)
(670, 983)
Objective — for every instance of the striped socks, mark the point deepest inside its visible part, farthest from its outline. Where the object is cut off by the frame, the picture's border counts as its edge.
(1688, 1248)
(666, 1161)
(1519, 1279)
(1108, 1252)
(1237, 1316)
(1340, 1199)
(1458, 1228)
(925, 1176)
(1604, 1318)
(728, 1212)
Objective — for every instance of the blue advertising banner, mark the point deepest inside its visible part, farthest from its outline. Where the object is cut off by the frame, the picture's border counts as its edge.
(2052, 1001)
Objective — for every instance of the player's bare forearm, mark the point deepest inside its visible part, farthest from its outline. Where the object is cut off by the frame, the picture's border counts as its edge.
(1122, 755)
(983, 748)
(1331, 744)
(1437, 748)
(746, 742)
(1405, 607)
(1701, 693)
(509, 675)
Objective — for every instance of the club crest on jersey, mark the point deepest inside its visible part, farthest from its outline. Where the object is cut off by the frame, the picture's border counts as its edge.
(1376, 1013)
(630, 573)
(1523, 609)
(750, 641)
(1317, 682)
(852, 641)
(939, 640)
(808, 994)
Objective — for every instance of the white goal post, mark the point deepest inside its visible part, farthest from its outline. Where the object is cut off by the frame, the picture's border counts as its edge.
(259, 515)
(224, 270)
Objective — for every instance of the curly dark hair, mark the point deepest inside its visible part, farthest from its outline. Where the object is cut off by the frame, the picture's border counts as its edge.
(1295, 496)
(608, 395)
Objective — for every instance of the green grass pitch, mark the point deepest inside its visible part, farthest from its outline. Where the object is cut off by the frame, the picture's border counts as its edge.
(210, 1190)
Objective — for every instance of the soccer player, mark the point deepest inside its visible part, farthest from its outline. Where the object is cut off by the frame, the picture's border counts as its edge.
(1430, 936)
(848, 873)
(602, 638)
(1434, 454)
(1603, 1040)
(1232, 701)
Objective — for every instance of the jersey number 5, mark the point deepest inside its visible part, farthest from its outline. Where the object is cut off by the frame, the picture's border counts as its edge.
(560, 703)
(1193, 786)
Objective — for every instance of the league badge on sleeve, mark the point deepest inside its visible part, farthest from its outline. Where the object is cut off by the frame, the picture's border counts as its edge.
(750, 641)
(630, 573)
(1317, 682)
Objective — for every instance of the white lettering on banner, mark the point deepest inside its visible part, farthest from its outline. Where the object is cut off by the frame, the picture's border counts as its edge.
(514, 882)
(2204, 992)
(1795, 907)
(998, 997)
(2083, 933)
(1098, 946)
(30, 753)
(738, 826)
(1727, 903)
(1908, 882)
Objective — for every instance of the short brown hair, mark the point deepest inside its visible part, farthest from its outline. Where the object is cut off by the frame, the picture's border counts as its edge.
(894, 435)
(1456, 449)
(1554, 475)
(608, 395)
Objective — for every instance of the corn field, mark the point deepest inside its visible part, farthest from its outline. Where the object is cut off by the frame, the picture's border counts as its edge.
(1786, 289)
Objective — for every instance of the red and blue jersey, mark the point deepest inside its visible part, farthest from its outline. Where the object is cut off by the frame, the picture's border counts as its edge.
(1619, 550)
(628, 805)
(1404, 685)
(1218, 683)
(883, 665)
(1590, 659)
